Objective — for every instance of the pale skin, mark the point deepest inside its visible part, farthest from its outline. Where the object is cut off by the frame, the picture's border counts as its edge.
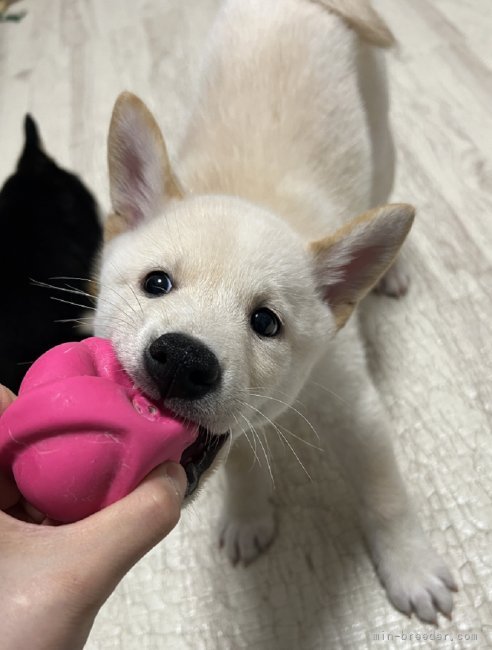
(54, 579)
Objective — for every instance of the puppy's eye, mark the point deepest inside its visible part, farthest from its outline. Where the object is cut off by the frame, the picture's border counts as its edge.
(265, 323)
(157, 283)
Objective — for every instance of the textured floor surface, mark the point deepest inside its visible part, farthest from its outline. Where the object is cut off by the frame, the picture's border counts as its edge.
(431, 353)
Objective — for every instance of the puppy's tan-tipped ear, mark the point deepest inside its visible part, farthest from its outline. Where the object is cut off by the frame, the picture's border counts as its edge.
(140, 176)
(350, 262)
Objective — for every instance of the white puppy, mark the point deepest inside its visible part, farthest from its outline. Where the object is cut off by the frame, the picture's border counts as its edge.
(224, 281)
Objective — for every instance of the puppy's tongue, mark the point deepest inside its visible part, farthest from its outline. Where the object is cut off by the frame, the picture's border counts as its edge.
(81, 435)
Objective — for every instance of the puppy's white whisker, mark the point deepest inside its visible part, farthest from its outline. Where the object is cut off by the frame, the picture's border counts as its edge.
(272, 423)
(80, 292)
(239, 426)
(136, 298)
(255, 444)
(82, 320)
(230, 438)
(261, 432)
(72, 277)
(69, 302)
(67, 289)
(253, 389)
(327, 390)
(255, 433)
(77, 321)
(294, 452)
(289, 406)
(119, 295)
(253, 449)
(75, 304)
(116, 306)
(305, 442)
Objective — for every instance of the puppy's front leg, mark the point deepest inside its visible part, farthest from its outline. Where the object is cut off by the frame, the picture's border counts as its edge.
(248, 523)
(414, 576)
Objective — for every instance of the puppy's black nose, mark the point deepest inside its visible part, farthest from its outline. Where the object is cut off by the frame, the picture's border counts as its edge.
(182, 366)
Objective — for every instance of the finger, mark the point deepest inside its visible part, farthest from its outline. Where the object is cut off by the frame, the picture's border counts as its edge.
(6, 397)
(9, 494)
(115, 538)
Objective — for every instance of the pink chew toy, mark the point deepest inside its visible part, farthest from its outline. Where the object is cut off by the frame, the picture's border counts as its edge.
(80, 436)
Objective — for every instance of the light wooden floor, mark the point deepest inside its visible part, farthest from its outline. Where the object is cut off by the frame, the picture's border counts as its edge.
(431, 353)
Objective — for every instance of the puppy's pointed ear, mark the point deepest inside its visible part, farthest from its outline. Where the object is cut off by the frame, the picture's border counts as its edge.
(31, 133)
(33, 158)
(350, 262)
(140, 176)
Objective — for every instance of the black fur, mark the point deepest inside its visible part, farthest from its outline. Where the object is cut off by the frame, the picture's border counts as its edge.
(49, 227)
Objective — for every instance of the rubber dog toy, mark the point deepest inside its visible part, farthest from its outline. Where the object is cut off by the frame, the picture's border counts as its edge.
(80, 436)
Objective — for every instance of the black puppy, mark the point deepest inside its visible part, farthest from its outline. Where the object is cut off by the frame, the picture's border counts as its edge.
(49, 228)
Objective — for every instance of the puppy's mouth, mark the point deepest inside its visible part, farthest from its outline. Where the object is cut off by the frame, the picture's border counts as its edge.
(198, 457)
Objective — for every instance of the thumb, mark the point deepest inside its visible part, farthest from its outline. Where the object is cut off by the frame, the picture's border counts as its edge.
(118, 536)
(6, 397)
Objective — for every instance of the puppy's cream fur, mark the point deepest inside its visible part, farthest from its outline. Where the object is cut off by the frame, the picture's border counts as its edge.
(287, 142)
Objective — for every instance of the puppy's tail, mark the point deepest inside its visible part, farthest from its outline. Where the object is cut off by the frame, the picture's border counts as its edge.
(363, 19)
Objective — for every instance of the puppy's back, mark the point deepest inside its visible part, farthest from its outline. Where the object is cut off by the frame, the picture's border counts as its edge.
(279, 118)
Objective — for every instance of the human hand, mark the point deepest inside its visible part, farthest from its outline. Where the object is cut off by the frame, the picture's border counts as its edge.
(54, 579)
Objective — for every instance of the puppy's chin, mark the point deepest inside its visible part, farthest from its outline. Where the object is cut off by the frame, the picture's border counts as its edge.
(214, 461)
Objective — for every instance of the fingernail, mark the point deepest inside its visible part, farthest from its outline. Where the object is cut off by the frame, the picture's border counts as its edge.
(6, 398)
(176, 474)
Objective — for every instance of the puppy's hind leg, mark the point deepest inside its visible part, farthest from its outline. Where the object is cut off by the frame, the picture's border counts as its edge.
(414, 576)
(373, 87)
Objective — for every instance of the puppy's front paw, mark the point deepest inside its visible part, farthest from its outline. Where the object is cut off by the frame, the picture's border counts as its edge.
(395, 281)
(244, 539)
(417, 580)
